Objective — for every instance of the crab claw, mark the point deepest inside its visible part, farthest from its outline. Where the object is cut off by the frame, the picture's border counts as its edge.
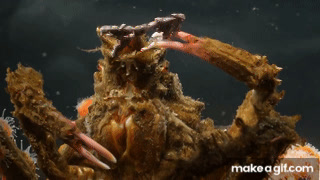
(92, 144)
(78, 139)
(194, 45)
(77, 145)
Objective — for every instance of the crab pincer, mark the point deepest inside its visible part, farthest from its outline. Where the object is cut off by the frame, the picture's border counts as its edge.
(82, 138)
(194, 45)
(76, 139)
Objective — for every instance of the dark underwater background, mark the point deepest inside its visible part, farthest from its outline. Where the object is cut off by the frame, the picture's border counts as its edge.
(48, 35)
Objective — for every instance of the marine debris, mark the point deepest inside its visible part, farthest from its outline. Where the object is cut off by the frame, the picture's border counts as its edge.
(139, 113)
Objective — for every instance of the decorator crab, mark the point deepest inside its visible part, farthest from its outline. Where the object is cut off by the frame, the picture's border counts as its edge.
(139, 113)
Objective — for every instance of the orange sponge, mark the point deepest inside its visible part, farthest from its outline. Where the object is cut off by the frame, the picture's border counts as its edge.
(83, 106)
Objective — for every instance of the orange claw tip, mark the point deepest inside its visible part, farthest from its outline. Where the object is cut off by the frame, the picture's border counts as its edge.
(83, 106)
(186, 36)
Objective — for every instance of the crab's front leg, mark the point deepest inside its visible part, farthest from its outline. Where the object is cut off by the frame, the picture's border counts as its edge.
(76, 139)
(254, 70)
(43, 124)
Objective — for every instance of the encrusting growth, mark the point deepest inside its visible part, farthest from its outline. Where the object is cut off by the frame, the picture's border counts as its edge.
(139, 113)
(14, 163)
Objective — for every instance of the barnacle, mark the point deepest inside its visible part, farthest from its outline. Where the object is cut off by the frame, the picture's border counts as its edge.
(82, 107)
(139, 113)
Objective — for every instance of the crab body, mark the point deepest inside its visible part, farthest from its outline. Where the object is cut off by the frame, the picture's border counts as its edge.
(139, 125)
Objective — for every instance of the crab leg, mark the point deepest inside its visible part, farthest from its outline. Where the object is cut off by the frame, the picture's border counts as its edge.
(244, 66)
(97, 147)
(34, 110)
(85, 153)
(76, 143)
